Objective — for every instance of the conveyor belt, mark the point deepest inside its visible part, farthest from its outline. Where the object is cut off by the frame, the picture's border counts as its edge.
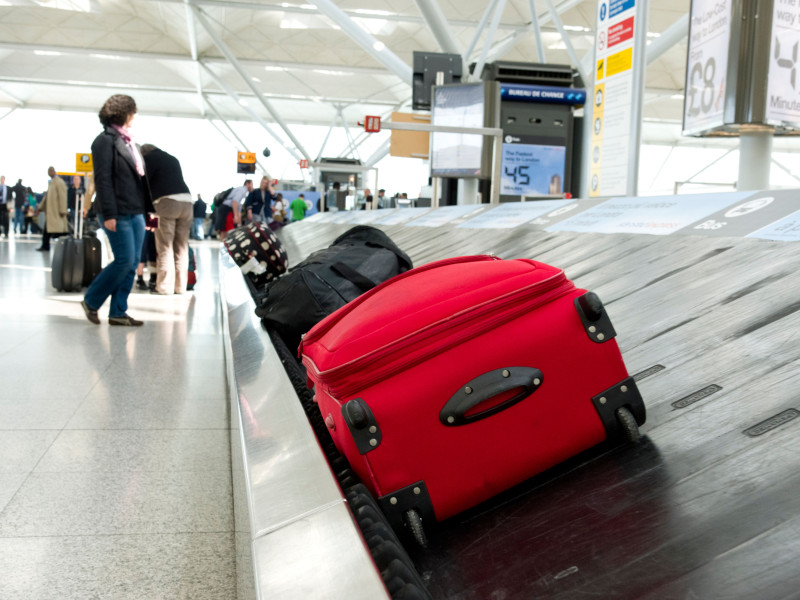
(708, 506)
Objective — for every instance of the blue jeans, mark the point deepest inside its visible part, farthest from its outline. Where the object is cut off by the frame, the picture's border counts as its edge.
(116, 279)
(19, 219)
(199, 234)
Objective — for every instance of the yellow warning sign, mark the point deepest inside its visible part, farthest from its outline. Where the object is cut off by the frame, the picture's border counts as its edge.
(619, 62)
(83, 162)
(247, 158)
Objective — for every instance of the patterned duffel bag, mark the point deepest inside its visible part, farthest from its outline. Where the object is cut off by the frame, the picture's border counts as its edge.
(258, 252)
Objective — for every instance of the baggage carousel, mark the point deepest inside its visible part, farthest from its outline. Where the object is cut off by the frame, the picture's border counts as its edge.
(706, 506)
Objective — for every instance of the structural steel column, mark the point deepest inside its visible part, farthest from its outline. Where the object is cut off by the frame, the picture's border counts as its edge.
(755, 158)
(248, 81)
(437, 23)
(370, 44)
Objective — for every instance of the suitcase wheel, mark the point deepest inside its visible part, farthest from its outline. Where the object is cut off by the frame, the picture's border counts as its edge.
(628, 424)
(414, 522)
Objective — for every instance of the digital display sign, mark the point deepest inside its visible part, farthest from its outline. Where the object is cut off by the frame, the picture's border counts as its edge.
(707, 65)
(532, 169)
(457, 154)
(783, 87)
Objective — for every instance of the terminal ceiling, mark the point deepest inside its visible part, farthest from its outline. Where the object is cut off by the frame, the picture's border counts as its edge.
(218, 59)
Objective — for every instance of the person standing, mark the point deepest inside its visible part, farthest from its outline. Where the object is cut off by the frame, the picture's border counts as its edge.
(122, 199)
(55, 210)
(259, 201)
(298, 208)
(20, 202)
(199, 217)
(5, 205)
(175, 211)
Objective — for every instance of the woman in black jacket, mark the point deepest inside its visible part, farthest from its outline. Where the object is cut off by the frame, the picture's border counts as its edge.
(123, 197)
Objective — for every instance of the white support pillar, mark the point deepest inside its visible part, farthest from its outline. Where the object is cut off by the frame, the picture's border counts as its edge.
(467, 191)
(379, 154)
(242, 145)
(487, 43)
(353, 148)
(755, 158)
(672, 35)
(370, 44)
(437, 23)
(565, 37)
(537, 30)
(327, 136)
(193, 48)
(255, 116)
(226, 52)
(478, 31)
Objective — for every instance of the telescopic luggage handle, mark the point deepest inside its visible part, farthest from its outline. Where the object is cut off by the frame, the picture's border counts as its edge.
(460, 409)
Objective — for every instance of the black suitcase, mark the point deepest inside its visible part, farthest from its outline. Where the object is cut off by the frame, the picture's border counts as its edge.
(70, 262)
(67, 268)
(355, 262)
(92, 258)
(255, 246)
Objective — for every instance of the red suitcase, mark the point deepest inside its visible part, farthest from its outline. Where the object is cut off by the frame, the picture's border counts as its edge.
(456, 380)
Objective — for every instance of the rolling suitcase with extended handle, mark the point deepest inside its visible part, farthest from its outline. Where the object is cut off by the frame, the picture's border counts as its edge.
(454, 381)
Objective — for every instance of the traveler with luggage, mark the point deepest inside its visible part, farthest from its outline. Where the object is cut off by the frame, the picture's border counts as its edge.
(54, 205)
(123, 198)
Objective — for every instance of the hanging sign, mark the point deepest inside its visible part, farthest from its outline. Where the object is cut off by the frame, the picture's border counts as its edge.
(783, 84)
(246, 162)
(612, 100)
(83, 162)
(303, 163)
(517, 92)
(706, 65)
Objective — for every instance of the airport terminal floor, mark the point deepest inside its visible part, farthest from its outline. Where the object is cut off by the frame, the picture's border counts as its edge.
(115, 473)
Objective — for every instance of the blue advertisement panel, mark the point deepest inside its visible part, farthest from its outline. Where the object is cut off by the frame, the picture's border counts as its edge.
(542, 93)
(785, 230)
(311, 198)
(656, 215)
(616, 7)
(532, 169)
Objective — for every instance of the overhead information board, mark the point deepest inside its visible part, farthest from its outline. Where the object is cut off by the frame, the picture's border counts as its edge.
(783, 87)
(706, 66)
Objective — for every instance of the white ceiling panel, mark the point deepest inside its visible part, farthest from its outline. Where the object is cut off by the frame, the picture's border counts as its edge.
(74, 53)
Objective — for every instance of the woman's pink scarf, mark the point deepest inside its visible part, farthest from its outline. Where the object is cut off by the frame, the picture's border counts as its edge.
(125, 133)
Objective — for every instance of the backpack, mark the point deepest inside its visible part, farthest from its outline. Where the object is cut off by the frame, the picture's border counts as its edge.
(355, 262)
(220, 198)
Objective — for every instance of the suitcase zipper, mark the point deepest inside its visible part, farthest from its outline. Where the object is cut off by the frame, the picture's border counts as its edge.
(468, 324)
(326, 324)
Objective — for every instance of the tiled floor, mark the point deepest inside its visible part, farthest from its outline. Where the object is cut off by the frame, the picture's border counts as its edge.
(115, 474)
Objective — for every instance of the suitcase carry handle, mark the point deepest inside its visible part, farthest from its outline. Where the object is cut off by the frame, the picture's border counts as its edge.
(490, 389)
